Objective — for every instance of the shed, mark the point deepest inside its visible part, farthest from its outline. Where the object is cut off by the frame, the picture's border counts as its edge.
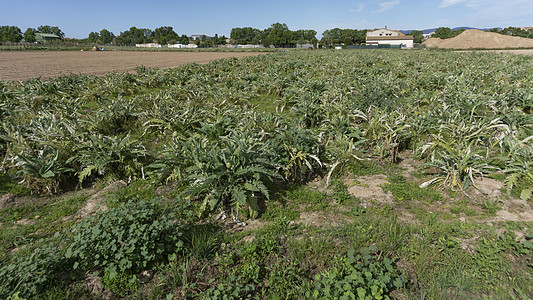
(45, 37)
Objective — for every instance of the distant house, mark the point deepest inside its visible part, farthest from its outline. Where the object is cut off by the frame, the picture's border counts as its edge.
(389, 38)
(45, 37)
(428, 35)
(196, 37)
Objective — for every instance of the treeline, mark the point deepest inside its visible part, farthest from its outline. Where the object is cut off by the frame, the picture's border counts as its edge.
(13, 34)
(514, 31)
(278, 35)
(162, 35)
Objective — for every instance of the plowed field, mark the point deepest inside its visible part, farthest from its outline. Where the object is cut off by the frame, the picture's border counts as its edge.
(25, 65)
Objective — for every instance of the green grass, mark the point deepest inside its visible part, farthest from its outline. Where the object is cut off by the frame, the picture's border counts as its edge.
(45, 217)
(9, 186)
(312, 200)
(404, 191)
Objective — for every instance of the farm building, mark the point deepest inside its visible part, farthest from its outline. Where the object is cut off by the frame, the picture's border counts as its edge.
(390, 38)
(182, 46)
(428, 35)
(45, 37)
(148, 45)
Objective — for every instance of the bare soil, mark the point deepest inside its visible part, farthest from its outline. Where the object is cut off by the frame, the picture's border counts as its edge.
(473, 38)
(23, 65)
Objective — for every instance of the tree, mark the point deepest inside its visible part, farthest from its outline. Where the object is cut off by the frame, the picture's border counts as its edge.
(10, 34)
(183, 39)
(165, 35)
(93, 37)
(51, 30)
(418, 36)
(346, 36)
(302, 36)
(136, 36)
(106, 36)
(331, 36)
(443, 33)
(446, 33)
(278, 35)
(246, 35)
(29, 35)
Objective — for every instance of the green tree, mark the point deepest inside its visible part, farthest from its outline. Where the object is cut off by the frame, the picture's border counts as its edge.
(443, 33)
(165, 35)
(93, 37)
(29, 35)
(278, 35)
(347, 36)
(136, 36)
(246, 35)
(10, 34)
(418, 36)
(331, 36)
(184, 39)
(303, 36)
(106, 36)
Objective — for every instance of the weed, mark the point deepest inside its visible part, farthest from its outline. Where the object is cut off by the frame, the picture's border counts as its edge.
(202, 241)
(140, 189)
(279, 210)
(233, 288)
(340, 192)
(122, 284)
(364, 167)
(407, 191)
(7, 185)
(313, 200)
(128, 238)
(490, 206)
(365, 275)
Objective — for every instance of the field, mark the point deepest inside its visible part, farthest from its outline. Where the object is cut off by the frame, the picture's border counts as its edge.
(369, 174)
(23, 65)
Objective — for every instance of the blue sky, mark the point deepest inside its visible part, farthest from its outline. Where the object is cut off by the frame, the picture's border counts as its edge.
(78, 18)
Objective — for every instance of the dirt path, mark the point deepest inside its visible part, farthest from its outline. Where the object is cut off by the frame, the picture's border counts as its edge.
(18, 65)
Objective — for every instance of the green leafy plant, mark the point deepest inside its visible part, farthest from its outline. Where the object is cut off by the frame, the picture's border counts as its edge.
(125, 239)
(121, 155)
(42, 172)
(366, 275)
(122, 284)
(519, 167)
(27, 275)
(232, 289)
(458, 164)
(231, 173)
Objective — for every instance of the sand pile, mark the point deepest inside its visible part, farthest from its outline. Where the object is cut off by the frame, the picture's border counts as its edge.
(474, 38)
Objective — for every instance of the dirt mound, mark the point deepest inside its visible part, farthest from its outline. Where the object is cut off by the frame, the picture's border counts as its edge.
(473, 38)
(95, 202)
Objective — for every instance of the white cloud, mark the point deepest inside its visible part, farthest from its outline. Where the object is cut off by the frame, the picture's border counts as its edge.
(359, 8)
(384, 6)
(447, 3)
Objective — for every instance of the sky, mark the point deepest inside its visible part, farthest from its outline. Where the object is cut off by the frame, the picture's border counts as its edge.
(78, 18)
